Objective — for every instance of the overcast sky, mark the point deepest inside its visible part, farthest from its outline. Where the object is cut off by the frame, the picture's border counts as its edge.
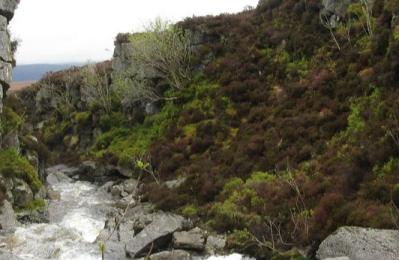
(59, 31)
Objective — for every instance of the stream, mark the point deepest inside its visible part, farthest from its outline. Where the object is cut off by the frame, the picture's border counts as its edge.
(76, 218)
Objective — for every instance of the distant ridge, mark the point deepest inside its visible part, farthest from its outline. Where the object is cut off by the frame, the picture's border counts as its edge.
(34, 72)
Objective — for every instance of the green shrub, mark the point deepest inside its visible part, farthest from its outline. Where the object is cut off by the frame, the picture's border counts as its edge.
(190, 211)
(83, 118)
(13, 164)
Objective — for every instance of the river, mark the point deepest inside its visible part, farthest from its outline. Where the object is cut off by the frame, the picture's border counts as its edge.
(76, 218)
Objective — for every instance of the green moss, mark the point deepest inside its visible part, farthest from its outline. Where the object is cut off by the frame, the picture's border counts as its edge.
(83, 118)
(10, 121)
(54, 131)
(189, 211)
(128, 143)
(109, 121)
(14, 165)
(239, 239)
(34, 205)
(190, 130)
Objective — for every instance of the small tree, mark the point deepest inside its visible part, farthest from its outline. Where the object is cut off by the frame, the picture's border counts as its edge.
(96, 90)
(166, 50)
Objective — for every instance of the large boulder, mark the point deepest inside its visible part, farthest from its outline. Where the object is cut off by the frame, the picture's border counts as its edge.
(171, 255)
(360, 244)
(155, 235)
(192, 240)
(8, 219)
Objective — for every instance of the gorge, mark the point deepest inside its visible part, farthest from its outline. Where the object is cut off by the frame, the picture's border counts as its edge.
(272, 133)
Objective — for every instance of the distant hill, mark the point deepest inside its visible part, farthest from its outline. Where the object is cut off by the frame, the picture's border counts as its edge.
(33, 72)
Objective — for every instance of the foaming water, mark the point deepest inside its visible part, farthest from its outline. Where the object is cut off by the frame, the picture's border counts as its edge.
(76, 220)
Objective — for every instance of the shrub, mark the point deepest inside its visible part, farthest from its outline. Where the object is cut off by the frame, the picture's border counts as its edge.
(166, 49)
(96, 89)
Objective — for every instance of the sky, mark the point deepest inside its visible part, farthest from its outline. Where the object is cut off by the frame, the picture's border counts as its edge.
(63, 31)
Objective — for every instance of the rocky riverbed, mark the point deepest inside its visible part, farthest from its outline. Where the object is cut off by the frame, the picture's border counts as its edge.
(81, 216)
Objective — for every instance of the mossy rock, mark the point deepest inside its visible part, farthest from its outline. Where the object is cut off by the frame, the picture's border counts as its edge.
(13, 165)
(10, 121)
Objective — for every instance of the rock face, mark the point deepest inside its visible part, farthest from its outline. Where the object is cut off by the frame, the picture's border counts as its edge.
(7, 8)
(360, 244)
(154, 234)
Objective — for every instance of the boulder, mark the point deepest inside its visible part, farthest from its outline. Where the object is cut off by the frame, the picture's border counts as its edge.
(130, 186)
(358, 243)
(192, 240)
(22, 193)
(55, 177)
(215, 244)
(171, 255)
(155, 235)
(8, 219)
(53, 195)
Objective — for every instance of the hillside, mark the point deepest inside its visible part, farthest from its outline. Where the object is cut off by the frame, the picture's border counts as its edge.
(33, 72)
(281, 125)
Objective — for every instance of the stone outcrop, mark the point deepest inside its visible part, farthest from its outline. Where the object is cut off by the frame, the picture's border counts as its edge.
(154, 234)
(7, 8)
(357, 243)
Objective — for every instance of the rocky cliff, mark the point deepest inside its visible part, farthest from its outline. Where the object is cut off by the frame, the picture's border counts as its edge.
(7, 8)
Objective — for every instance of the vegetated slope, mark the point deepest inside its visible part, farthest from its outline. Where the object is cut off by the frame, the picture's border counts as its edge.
(284, 133)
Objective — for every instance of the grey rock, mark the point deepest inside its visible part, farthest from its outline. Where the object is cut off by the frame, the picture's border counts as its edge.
(5, 47)
(116, 190)
(87, 167)
(215, 244)
(126, 231)
(11, 140)
(361, 244)
(8, 256)
(7, 8)
(8, 219)
(53, 195)
(192, 240)
(173, 184)
(130, 186)
(158, 233)
(107, 186)
(171, 255)
(22, 193)
(55, 177)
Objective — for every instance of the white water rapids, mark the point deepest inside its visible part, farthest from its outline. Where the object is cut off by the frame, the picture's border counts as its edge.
(76, 220)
